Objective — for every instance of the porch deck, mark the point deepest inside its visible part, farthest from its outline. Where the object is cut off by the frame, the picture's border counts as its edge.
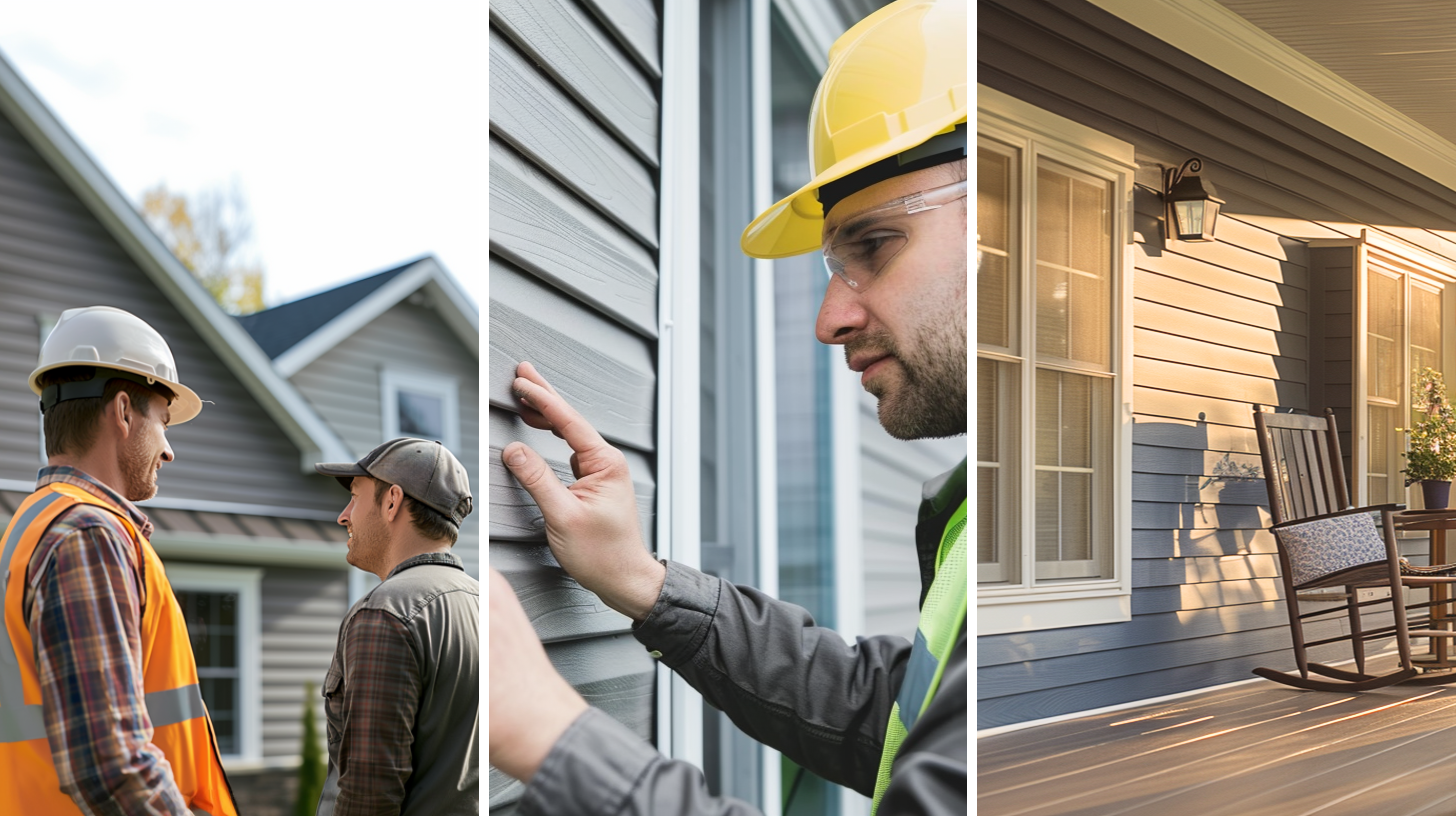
(1260, 749)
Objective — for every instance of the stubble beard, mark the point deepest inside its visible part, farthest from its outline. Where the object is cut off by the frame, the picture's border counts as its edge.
(138, 471)
(928, 399)
(363, 551)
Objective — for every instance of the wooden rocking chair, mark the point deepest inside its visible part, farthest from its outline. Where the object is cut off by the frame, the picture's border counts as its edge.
(1323, 542)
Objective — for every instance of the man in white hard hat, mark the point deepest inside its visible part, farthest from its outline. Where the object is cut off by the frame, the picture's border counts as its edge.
(100, 709)
(886, 717)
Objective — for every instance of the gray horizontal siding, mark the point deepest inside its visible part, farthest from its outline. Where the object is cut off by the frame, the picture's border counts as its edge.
(574, 290)
(636, 26)
(603, 370)
(343, 385)
(567, 43)
(540, 227)
(532, 114)
(1217, 327)
(301, 612)
(55, 255)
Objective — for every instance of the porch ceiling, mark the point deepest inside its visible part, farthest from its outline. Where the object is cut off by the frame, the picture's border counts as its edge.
(1256, 749)
(1402, 52)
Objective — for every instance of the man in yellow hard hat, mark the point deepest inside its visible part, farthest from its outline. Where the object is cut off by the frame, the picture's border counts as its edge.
(886, 717)
(100, 708)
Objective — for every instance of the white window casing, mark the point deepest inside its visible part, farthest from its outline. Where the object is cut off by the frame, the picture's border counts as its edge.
(679, 708)
(1017, 593)
(246, 582)
(393, 382)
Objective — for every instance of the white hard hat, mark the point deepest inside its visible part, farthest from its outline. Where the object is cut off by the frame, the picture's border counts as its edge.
(106, 337)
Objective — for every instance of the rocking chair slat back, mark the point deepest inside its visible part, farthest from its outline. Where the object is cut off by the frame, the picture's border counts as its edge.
(1303, 470)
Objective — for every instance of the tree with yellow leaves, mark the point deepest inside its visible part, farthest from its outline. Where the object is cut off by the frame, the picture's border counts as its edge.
(209, 238)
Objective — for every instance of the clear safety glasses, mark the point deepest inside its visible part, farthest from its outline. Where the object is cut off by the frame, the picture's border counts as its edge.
(863, 243)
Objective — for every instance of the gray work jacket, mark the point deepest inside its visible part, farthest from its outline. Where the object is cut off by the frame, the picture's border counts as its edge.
(438, 604)
(791, 685)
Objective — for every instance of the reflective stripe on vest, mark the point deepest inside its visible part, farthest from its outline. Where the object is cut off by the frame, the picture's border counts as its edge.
(173, 698)
(941, 620)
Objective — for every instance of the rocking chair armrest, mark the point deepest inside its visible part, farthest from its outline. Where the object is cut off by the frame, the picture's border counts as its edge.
(1374, 508)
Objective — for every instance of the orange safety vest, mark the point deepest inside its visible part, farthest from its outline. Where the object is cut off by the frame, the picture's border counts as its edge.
(181, 728)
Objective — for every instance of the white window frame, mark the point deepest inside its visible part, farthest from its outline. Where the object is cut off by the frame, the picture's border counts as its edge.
(247, 583)
(679, 507)
(446, 387)
(1029, 606)
(1416, 266)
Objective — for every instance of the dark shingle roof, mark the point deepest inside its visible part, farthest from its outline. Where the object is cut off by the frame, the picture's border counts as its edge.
(282, 327)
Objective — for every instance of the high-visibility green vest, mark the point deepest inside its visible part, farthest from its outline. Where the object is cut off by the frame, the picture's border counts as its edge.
(941, 618)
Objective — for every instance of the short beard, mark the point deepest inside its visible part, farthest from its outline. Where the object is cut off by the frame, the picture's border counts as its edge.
(138, 471)
(930, 401)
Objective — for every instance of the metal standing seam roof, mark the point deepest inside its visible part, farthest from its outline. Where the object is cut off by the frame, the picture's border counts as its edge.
(280, 328)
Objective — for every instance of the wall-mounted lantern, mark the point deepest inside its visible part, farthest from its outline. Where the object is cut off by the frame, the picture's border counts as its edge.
(1192, 203)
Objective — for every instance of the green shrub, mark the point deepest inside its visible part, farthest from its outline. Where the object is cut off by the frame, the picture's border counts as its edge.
(313, 769)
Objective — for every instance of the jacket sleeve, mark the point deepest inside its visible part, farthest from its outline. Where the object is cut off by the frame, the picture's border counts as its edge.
(794, 686)
(601, 767)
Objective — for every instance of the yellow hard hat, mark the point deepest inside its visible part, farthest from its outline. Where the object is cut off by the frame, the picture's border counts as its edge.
(895, 82)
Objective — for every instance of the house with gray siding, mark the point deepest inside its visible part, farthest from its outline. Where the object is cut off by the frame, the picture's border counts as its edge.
(395, 353)
(246, 529)
(1123, 549)
(631, 142)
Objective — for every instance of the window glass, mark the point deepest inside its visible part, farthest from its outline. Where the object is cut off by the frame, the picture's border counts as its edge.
(1066, 434)
(212, 626)
(421, 415)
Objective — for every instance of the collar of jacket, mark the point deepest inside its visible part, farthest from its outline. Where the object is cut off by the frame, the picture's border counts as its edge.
(940, 498)
(442, 558)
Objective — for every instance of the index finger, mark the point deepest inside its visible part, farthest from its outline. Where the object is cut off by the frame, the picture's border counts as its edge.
(564, 419)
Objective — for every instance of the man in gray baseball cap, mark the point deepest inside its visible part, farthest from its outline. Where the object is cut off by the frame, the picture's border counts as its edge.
(403, 693)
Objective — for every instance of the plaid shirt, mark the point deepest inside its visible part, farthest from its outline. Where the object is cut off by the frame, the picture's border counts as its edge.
(83, 604)
(372, 716)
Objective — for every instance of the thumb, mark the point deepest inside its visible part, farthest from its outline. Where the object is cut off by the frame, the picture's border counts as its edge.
(531, 470)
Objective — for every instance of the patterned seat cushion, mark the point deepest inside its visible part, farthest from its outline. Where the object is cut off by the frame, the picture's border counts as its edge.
(1326, 546)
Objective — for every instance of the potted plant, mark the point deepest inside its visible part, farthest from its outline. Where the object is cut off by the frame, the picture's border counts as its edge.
(1431, 456)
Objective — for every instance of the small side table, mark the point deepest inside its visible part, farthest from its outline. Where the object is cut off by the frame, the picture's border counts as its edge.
(1437, 522)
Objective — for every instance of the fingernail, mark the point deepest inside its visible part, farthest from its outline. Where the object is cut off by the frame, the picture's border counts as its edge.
(515, 457)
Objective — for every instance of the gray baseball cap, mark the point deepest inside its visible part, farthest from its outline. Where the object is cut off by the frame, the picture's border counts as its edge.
(426, 471)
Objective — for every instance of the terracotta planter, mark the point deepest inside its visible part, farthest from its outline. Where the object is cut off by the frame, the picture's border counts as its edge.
(1437, 493)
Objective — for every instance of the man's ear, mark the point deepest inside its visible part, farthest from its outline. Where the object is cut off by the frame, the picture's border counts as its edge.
(119, 413)
(393, 502)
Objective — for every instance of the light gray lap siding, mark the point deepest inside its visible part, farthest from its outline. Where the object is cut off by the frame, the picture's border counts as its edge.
(1216, 327)
(574, 135)
(300, 615)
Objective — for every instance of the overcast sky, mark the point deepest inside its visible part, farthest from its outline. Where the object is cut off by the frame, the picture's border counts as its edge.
(355, 131)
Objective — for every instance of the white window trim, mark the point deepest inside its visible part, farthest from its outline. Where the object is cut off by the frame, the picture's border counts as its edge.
(1413, 262)
(1021, 608)
(392, 381)
(679, 708)
(247, 583)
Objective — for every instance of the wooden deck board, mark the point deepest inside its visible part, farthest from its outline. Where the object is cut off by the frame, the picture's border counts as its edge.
(1255, 750)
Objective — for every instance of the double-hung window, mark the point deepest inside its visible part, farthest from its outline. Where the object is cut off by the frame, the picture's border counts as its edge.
(1053, 398)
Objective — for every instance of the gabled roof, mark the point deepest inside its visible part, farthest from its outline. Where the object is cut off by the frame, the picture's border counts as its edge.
(295, 334)
(315, 440)
(280, 328)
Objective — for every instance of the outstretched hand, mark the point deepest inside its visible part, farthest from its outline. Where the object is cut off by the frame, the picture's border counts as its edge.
(531, 705)
(591, 525)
